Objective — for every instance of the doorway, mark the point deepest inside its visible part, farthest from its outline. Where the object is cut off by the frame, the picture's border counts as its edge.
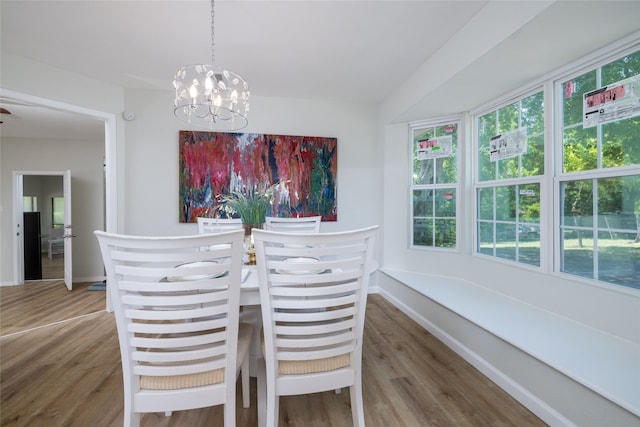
(43, 197)
(107, 120)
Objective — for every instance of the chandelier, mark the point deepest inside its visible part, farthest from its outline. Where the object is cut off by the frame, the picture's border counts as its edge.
(211, 97)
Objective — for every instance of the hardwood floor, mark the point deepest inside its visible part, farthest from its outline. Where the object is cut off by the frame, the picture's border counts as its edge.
(68, 374)
(39, 303)
(52, 268)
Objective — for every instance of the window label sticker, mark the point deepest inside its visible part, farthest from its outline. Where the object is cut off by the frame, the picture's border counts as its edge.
(433, 148)
(509, 144)
(613, 102)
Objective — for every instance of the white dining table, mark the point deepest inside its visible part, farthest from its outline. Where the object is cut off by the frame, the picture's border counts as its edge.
(249, 288)
(250, 304)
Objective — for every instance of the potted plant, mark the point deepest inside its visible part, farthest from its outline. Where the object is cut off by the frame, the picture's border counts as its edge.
(251, 204)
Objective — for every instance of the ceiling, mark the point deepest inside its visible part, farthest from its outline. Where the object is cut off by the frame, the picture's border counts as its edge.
(457, 53)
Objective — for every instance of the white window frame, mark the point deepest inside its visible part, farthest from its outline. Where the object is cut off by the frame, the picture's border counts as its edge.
(433, 123)
(592, 62)
(541, 180)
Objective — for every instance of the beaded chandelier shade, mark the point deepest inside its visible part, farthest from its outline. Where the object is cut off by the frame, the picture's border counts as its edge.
(211, 97)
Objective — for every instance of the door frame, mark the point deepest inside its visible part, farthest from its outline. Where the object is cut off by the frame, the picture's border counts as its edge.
(110, 164)
(18, 208)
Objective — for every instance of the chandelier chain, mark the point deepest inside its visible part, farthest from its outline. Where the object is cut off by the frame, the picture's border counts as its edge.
(213, 44)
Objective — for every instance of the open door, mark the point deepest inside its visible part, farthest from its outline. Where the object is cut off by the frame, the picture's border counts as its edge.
(68, 231)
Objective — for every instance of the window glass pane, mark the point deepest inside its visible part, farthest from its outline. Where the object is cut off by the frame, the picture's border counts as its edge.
(485, 238)
(619, 258)
(533, 161)
(578, 205)
(529, 253)
(447, 167)
(533, 114)
(508, 118)
(58, 211)
(620, 197)
(528, 114)
(621, 143)
(577, 253)
(607, 145)
(529, 203)
(573, 91)
(445, 217)
(422, 232)
(506, 241)
(580, 149)
(505, 204)
(422, 204)
(516, 223)
(423, 170)
(614, 255)
(445, 203)
(623, 68)
(508, 168)
(619, 230)
(445, 233)
(487, 129)
(29, 204)
(485, 203)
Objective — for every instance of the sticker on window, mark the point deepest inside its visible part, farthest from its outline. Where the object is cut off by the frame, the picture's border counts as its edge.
(509, 144)
(433, 148)
(611, 103)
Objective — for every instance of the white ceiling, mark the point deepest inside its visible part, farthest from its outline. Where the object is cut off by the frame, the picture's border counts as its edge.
(461, 53)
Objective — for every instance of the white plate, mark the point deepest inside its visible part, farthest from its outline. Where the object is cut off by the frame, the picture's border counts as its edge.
(195, 276)
(300, 260)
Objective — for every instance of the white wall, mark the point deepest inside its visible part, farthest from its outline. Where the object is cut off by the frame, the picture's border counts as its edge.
(85, 160)
(151, 157)
(65, 90)
(147, 158)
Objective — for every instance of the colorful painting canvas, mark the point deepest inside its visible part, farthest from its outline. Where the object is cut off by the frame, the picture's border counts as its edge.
(303, 170)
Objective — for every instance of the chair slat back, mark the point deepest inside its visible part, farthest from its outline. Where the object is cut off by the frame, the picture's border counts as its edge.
(309, 224)
(218, 225)
(313, 290)
(176, 306)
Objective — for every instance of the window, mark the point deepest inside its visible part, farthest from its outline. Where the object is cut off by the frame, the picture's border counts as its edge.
(434, 185)
(57, 211)
(510, 141)
(29, 204)
(599, 183)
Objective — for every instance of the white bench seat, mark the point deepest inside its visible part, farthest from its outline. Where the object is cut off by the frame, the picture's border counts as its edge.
(608, 365)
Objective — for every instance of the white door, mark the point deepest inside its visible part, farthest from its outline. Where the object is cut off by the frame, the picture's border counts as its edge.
(68, 231)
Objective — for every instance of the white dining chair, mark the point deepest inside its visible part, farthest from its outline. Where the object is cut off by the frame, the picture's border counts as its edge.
(309, 224)
(313, 294)
(55, 242)
(177, 309)
(218, 225)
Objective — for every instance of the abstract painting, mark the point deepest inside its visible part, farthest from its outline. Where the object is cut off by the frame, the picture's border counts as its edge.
(301, 169)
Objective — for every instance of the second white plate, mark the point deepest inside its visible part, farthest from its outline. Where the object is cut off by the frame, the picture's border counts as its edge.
(300, 260)
(195, 276)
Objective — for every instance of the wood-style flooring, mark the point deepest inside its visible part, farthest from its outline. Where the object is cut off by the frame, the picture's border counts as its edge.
(53, 268)
(57, 372)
